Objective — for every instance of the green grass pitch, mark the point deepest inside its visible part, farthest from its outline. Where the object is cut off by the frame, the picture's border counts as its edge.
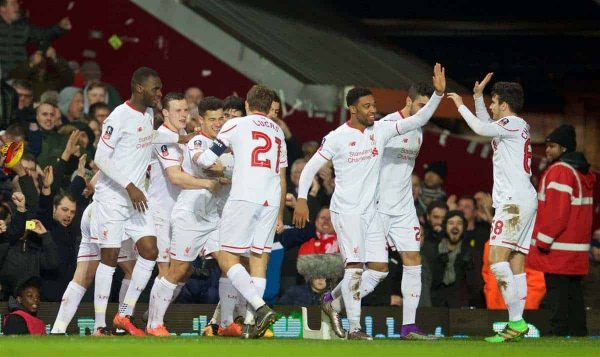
(203, 346)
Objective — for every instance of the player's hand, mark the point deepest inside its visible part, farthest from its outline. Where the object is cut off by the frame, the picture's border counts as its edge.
(439, 79)
(65, 24)
(19, 200)
(280, 227)
(215, 170)
(290, 200)
(479, 87)
(456, 99)
(184, 139)
(300, 213)
(224, 181)
(137, 197)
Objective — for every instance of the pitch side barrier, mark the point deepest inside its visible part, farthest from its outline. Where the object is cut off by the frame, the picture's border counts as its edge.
(381, 322)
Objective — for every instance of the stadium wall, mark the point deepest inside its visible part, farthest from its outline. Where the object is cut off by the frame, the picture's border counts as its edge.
(383, 321)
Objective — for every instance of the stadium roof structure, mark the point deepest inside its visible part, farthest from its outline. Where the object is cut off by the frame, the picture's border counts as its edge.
(310, 64)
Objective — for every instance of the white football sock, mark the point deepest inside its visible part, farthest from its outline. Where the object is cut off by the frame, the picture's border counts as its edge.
(160, 298)
(227, 299)
(123, 290)
(411, 292)
(242, 281)
(139, 279)
(103, 282)
(241, 306)
(216, 315)
(369, 281)
(521, 283)
(508, 289)
(68, 306)
(351, 295)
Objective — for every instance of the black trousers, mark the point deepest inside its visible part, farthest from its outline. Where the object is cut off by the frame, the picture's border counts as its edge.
(564, 297)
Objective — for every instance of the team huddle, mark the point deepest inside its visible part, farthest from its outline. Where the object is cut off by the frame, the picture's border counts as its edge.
(219, 192)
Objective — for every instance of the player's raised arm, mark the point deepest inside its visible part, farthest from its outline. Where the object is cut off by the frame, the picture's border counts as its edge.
(220, 144)
(424, 114)
(480, 109)
(306, 178)
(478, 126)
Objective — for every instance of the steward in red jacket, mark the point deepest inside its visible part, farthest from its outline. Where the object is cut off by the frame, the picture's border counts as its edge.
(562, 232)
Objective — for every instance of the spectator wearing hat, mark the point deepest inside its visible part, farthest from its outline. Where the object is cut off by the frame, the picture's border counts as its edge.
(320, 271)
(23, 307)
(562, 231)
(70, 103)
(431, 189)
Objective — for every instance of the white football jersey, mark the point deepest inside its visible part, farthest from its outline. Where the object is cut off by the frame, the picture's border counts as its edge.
(200, 201)
(128, 133)
(512, 163)
(259, 151)
(356, 157)
(395, 177)
(161, 193)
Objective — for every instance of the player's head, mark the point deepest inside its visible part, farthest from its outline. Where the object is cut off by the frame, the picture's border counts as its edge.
(323, 221)
(210, 111)
(259, 99)
(146, 85)
(28, 295)
(454, 226)
(418, 96)
(507, 99)
(562, 140)
(64, 209)
(175, 110)
(233, 107)
(275, 107)
(436, 213)
(361, 104)
(44, 115)
(467, 205)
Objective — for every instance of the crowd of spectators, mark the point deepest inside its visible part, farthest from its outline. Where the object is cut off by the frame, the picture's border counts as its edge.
(59, 113)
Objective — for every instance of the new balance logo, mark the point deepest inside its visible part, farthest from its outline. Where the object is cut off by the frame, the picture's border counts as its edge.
(353, 143)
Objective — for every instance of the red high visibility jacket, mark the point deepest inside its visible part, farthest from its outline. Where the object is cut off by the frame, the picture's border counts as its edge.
(563, 226)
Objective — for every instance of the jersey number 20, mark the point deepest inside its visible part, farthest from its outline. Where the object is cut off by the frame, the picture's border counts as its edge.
(256, 162)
